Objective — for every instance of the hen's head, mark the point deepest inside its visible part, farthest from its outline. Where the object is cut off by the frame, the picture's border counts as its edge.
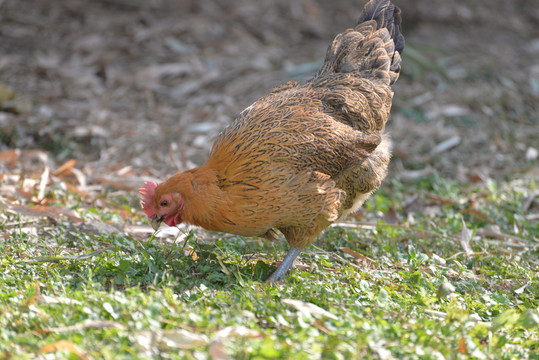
(160, 207)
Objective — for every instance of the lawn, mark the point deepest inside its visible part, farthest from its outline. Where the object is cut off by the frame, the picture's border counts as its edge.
(430, 269)
(98, 96)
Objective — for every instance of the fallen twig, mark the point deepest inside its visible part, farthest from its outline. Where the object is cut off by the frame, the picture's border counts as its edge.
(43, 259)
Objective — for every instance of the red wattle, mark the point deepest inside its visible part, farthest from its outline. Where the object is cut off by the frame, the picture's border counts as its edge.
(174, 219)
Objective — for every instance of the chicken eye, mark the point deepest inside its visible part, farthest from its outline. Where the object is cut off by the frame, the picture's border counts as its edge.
(164, 203)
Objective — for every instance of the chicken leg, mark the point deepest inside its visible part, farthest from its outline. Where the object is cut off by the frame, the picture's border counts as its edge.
(286, 264)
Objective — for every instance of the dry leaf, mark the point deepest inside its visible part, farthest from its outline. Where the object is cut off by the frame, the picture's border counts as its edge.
(521, 289)
(320, 325)
(169, 339)
(64, 345)
(88, 324)
(414, 174)
(118, 183)
(356, 216)
(445, 289)
(152, 74)
(494, 232)
(125, 171)
(43, 211)
(43, 184)
(465, 238)
(97, 227)
(75, 189)
(189, 251)
(475, 213)
(439, 199)
(309, 308)
(9, 157)
(217, 349)
(462, 346)
(437, 314)
(359, 256)
(65, 168)
(34, 297)
(529, 200)
(438, 259)
(445, 145)
(223, 267)
(46, 299)
(390, 217)
(532, 217)
(476, 177)
(41, 259)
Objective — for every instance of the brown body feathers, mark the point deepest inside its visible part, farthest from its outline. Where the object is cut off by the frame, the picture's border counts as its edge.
(305, 154)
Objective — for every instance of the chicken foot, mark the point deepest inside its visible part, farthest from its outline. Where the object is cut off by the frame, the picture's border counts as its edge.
(286, 264)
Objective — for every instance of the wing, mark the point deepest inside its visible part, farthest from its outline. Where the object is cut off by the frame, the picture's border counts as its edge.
(323, 126)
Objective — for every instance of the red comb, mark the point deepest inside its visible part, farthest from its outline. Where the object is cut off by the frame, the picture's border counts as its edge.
(146, 201)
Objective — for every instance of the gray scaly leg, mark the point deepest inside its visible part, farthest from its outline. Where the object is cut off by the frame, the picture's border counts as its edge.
(286, 265)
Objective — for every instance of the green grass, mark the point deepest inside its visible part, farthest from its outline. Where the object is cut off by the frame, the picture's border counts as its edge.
(421, 297)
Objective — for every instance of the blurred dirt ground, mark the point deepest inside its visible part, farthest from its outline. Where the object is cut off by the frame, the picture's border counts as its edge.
(133, 88)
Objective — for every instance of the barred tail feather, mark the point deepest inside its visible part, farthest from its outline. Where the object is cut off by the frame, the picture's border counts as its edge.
(371, 50)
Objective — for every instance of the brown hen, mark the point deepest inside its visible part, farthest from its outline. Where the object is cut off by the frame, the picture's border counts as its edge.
(302, 156)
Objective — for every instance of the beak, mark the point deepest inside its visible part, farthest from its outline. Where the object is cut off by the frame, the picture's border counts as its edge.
(157, 221)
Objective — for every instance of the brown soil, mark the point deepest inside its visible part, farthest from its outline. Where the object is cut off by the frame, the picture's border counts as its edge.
(149, 84)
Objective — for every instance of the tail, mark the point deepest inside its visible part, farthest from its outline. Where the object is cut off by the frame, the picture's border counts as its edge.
(373, 48)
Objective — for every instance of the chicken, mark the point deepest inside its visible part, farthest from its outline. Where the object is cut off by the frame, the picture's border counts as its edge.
(302, 156)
